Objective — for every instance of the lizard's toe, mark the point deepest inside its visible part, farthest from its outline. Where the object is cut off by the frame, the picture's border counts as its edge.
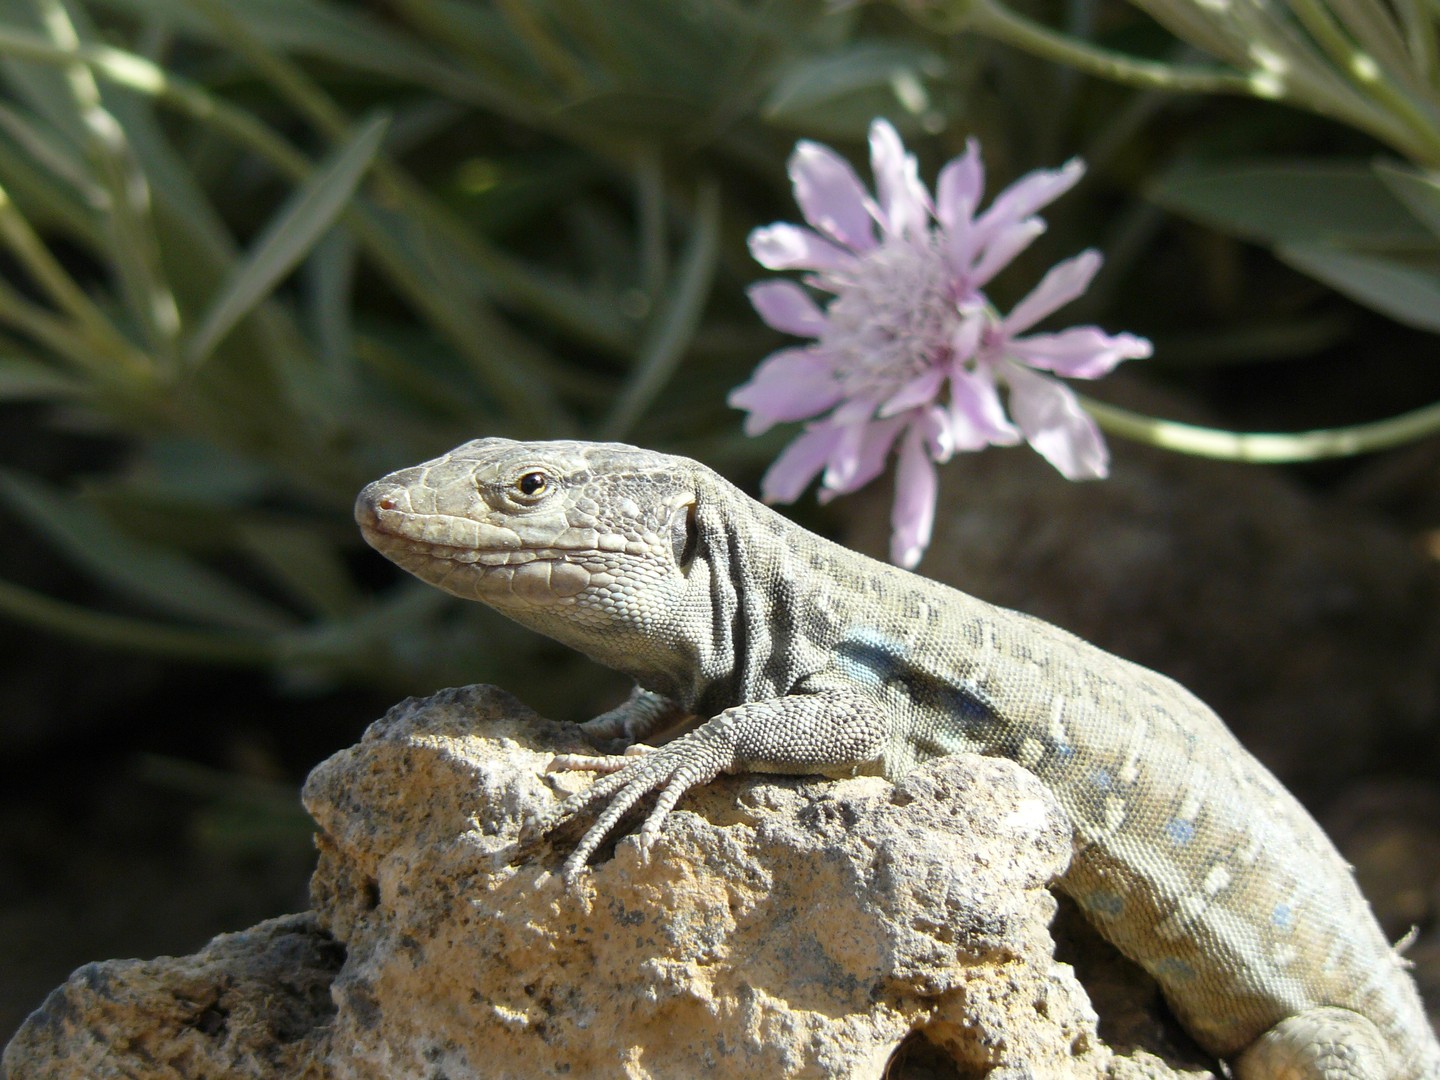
(596, 763)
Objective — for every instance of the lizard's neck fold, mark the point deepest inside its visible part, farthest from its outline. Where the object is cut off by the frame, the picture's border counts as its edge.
(749, 623)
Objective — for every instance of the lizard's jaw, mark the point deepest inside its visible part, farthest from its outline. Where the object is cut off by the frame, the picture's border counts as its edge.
(452, 554)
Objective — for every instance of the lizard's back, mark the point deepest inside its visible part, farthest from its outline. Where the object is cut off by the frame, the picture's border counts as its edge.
(1190, 856)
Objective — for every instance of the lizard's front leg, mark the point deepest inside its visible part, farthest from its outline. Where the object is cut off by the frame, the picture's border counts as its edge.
(831, 732)
(641, 714)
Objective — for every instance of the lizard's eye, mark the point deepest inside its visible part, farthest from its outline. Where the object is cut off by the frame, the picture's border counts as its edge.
(532, 484)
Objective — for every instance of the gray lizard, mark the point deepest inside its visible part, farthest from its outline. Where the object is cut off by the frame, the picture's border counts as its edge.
(809, 658)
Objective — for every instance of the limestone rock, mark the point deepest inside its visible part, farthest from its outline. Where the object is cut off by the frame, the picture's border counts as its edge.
(781, 927)
(249, 1006)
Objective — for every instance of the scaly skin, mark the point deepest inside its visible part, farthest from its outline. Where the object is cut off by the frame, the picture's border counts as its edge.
(809, 658)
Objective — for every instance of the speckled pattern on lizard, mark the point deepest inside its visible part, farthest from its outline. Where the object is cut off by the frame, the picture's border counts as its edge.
(808, 658)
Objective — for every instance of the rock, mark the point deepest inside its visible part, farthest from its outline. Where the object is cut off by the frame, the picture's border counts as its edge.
(250, 1005)
(781, 927)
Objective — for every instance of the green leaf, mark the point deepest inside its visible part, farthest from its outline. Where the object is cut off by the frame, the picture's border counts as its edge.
(50, 152)
(297, 227)
(635, 113)
(44, 88)
(160, 577)
(336, 32)
(121, 632)
(839, 93)
(1294, 202)
(676, 317)
(1406, 292)
(25, 380)
(42, 193)
(1416, 190)
(305, 563)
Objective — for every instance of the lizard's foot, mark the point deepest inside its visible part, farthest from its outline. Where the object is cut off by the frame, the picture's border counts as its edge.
(1319, 1044)
(695, 758)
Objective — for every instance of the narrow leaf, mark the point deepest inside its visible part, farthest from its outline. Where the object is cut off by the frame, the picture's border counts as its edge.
(1416, 190)
(829, 94)
(163, 578)
(1293, 202)
(296, 228)
(305, 564)
(121, 632)
(676, 319)
(1407, 293)
(25, 380)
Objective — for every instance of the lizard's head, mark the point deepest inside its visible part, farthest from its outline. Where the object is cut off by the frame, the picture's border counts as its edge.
(577, 540)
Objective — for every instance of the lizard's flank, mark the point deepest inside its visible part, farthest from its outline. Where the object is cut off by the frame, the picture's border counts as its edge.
(808, 658)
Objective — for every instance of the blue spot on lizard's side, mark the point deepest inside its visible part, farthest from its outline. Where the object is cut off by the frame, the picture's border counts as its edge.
(1173, 969)
(1180, 831)
(868, 658)
(871, 659)
(1103, 904)
(1283, 916)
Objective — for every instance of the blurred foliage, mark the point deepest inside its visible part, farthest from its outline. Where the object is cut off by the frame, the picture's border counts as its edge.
(275, 248)
(266, 250)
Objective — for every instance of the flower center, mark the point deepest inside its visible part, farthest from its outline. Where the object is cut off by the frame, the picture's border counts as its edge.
(893, 317)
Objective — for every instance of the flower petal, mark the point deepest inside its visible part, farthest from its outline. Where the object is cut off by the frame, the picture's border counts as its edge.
(934, 423)
(859, 409)
(1082, 352)
(789, 247)
(792, 384)
(965, 341)
(912, 518)
(1056, 426)
(831, 196)
(977, 417)
(921, 390)
(958, 189)
(791, 472)
(1063, 283)
(785, 306)
(904, 202)
(1003, 248)
(1027, 195)
(859, 455)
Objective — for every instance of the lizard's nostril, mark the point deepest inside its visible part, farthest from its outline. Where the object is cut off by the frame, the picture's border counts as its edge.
(385, 504)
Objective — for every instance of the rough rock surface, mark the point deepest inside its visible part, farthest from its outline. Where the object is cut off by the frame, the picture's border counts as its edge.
(781, 927)
(250, 1005)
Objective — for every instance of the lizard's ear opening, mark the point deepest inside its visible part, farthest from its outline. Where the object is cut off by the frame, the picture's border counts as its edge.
(684, 535)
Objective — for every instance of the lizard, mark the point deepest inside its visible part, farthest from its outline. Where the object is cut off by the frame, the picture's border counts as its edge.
(805, 657)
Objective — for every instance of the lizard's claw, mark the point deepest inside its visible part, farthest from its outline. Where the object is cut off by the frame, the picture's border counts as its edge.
(671, 770)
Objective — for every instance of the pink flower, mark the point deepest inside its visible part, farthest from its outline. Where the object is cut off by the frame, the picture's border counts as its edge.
(908, 349)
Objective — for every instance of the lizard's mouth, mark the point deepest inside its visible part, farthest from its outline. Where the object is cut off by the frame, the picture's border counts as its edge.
(395, 533)
(531, 575)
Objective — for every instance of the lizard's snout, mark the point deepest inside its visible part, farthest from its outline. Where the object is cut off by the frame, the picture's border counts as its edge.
(373, 500)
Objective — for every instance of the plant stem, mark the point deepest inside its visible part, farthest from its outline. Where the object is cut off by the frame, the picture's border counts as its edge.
(1268, 447)
(994, 19)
